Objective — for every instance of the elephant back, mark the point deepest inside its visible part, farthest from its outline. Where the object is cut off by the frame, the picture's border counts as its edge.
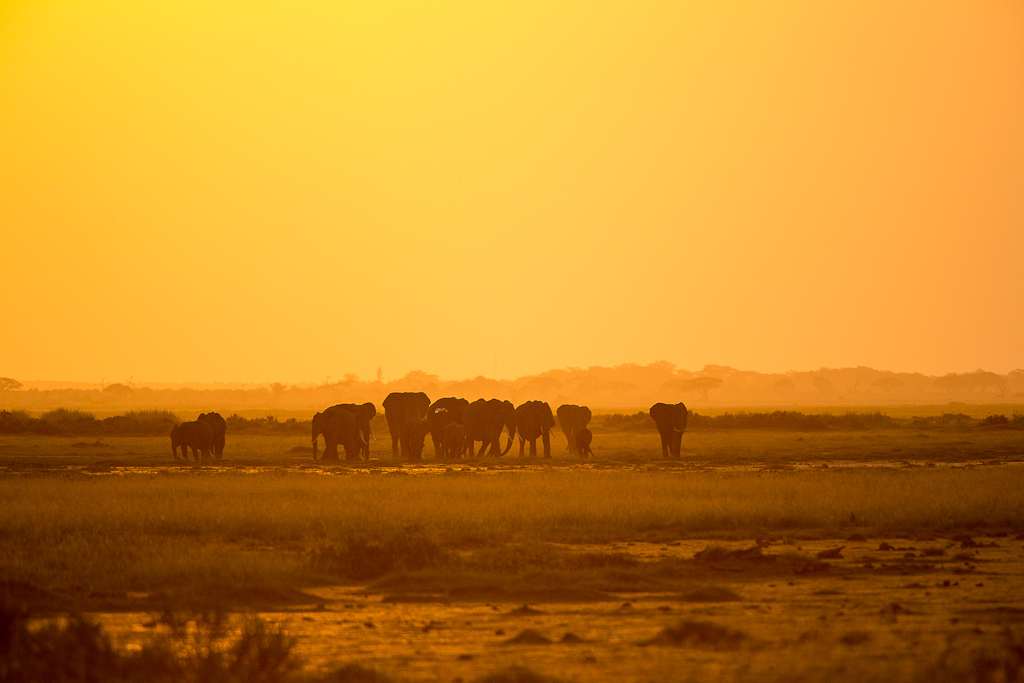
(444, 411)
(406, 405)
(484, 419)
(534, 418)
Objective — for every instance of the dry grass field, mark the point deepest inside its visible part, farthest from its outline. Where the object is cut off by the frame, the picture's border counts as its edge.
(760, 555)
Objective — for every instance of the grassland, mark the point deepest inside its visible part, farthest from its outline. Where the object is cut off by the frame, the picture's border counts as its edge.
(114, 525)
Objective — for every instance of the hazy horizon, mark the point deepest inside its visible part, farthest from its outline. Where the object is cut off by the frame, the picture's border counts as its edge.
(164, 383)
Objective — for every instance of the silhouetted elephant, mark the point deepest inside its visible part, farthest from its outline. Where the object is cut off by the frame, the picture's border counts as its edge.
(454, 440)
(583, 439)
(338, 426)
(442, 413)
(533, 420)
(196, 435)
(401, 407)
(484, 421)
(671, 422)
(571, 419)
(413, 434)
(363, 412)
(219, 427)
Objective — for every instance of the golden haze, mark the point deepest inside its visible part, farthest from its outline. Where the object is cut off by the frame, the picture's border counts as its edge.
(263, 191)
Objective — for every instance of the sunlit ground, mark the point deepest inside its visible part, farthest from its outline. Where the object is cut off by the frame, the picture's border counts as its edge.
(842, 555)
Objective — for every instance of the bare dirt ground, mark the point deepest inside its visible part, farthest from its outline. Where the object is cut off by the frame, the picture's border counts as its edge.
(884, 609)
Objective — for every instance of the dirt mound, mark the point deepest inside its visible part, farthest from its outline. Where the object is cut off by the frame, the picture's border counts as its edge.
(698, 634)
(529, 637)
(524, 611)
(708, 594)
(714, 554)
(516, 674)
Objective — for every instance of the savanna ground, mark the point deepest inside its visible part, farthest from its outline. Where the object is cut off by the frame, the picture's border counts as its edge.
(760, 555)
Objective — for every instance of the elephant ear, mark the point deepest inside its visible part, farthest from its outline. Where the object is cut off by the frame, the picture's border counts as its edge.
(549, 420)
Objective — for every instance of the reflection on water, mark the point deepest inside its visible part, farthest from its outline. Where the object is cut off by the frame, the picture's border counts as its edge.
(393, 468)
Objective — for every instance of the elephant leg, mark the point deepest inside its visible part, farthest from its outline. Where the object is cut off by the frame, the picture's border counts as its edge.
(522, 446)
(545, 439)
(533, 448)
(677, 442)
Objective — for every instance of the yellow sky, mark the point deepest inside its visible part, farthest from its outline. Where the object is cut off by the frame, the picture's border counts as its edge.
(254, 191)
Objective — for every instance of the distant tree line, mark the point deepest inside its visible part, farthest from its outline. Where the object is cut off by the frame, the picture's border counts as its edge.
(616, 387)
(64, 422)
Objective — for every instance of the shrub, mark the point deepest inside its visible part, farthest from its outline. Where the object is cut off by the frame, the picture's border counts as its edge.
(359, 558)
(79, 650)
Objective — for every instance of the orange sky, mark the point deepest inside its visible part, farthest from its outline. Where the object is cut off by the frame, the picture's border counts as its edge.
(254, 191)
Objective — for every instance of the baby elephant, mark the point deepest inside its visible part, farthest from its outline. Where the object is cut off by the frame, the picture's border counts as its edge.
(454, 440)
(583, 439)
(413, 433)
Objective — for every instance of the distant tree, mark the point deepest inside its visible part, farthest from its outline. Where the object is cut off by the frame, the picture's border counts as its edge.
(277, 389)
(703, 385)
(823, 384)
(982, 380)
(950, 382)
(9, 384)
(117, 389)
(783, 385)
(380, 374)
(889, 383)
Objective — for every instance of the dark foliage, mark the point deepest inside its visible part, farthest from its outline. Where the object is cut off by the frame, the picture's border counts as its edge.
(79, 650)
(360, 558)
(64, 422)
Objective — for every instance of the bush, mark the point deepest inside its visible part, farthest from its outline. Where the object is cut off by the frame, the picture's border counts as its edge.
(79, 650)
(359, 558)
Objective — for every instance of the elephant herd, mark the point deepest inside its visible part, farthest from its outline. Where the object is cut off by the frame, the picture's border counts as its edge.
(454, 424)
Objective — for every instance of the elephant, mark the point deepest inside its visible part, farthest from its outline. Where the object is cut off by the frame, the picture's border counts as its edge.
(401, 407)
(534, 419)
(363, 412)
(583, 439)
(219, 427)
(196, 435)
(484, 421)
(442, 413)
(413, 434)
(571, 419)
(338, 426)
(454, 440)
(671, 422)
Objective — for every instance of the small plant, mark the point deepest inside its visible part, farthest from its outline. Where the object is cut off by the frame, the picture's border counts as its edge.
(360, 558)
(195, 650)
